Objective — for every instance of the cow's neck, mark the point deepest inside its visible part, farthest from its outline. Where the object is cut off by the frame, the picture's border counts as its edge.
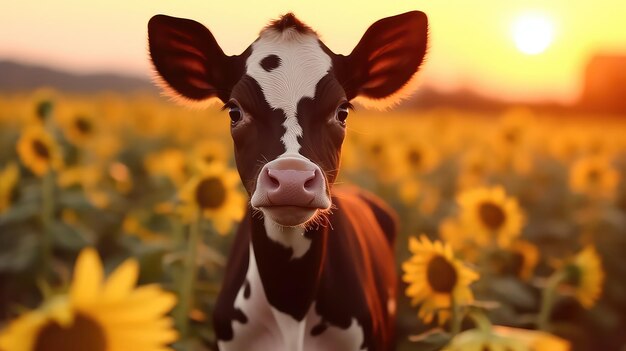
(289, 262)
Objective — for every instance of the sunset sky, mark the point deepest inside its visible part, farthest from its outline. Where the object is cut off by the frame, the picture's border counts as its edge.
(472, 42)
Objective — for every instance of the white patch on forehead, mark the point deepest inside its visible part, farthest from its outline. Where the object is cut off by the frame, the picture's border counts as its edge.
(303, 64)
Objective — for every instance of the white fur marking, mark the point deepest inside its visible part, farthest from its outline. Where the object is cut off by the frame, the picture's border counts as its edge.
(303, 64)
(290, 237)
(258, 333)
(269, 329)
(292, 330)
(334, 338)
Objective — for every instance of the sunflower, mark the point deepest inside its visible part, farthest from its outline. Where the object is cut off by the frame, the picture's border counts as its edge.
(491, 215)
(133, 226)
(80, 128)
(38, 150)
(474, 167)
(430, 200)
(594, 176)
(90, 179)
(524, 257)
(97, 314)
(378, 158)
(208, 152)
(499, 338)
(170, 163)
(514, 128)
(78, 120)
(462, 242)
(434, 277)
(375, 149)
(584, 276)
(105, 146)
(213, 194)
(350, 155)
(414, 157)
(9, 177)
(565, 145)
(41, 105)
(409, 190)
(84, 176)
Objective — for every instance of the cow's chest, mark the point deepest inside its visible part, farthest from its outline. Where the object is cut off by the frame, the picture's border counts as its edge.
(261, 327)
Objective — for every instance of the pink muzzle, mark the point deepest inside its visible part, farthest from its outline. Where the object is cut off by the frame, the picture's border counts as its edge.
(291, 181)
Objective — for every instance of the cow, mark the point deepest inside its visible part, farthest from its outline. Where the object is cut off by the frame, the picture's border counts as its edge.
(312, 265)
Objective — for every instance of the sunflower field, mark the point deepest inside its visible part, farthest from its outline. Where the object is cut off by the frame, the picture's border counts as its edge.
(117, 213)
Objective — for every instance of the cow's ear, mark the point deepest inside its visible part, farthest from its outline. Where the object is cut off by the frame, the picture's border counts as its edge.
(189, 60)
(380, 67)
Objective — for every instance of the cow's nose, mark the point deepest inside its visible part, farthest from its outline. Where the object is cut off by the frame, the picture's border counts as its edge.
(289, 187)
(291, 181)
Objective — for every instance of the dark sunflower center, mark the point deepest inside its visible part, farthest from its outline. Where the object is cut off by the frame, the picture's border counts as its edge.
(594, 176)
(414, 158)
(209, 158)
(83, 125)
(512, 136)
(84, 334)
(477, 168)
(491, 215)
(210, 193)
(376, 149)
(41, 149)
(441, 275)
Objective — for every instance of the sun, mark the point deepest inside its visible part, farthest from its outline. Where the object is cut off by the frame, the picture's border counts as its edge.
(533, 33)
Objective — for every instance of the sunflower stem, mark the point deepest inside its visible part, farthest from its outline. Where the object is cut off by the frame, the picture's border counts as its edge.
(547, 299)
(47, 220)
(457, 316)
(188, 278)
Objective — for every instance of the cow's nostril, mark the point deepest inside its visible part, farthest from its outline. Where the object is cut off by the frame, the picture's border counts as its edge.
(273, 179)
(308, 184)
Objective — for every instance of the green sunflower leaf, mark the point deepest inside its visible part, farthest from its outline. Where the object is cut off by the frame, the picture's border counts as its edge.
(514, 292)
(18, 252)
(74, 200)
(20, 213)
(69, 237)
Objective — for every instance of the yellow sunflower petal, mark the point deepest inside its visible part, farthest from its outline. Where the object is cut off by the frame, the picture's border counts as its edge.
(222, 225)
(122, 281)
(88, 277)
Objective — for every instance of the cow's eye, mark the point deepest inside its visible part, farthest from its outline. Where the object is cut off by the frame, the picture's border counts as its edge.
(235, 114)
(234, 111)
(342, 112)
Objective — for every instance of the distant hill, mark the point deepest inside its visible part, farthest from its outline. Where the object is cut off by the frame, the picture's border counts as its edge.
(22, 77)
(604, 88)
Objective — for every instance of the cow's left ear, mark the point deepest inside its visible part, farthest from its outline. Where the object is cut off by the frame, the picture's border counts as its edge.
(386, 58)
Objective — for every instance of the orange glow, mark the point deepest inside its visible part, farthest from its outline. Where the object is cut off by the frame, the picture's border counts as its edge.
(471, 45)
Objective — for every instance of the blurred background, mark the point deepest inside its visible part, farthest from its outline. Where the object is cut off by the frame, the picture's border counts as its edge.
(521, 104)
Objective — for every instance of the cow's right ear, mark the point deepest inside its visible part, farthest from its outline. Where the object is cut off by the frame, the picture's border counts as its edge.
(380, 69)
(190, 61)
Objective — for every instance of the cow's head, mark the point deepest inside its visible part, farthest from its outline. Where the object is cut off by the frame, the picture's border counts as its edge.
(288, 97)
